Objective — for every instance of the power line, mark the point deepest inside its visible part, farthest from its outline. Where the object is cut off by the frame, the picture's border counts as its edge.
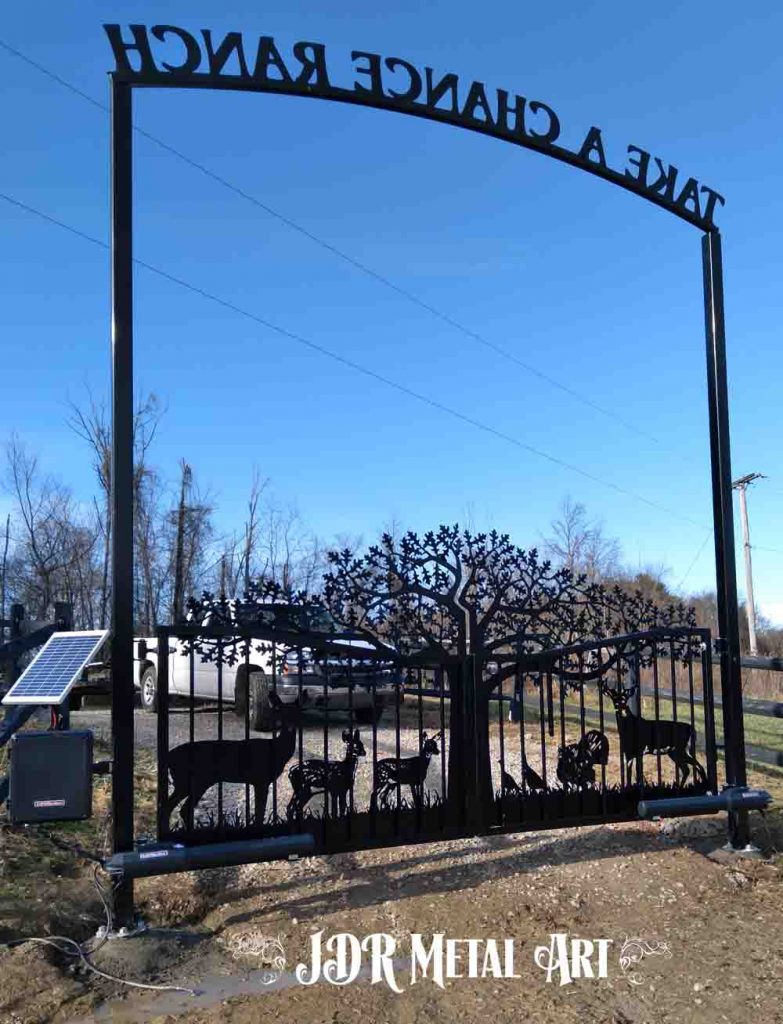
(694, 560)
(358, 367)
(340, 254)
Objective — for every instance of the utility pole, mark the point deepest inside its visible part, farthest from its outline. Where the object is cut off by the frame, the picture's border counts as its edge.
(741, 485)
(178, 601)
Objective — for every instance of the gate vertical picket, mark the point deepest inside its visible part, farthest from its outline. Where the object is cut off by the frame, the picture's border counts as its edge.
(162, 641)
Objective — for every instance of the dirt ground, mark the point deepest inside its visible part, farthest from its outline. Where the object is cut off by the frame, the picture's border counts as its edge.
(212, 932)
(722, 921)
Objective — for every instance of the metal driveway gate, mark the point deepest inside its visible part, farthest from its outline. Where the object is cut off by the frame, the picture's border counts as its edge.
(166, 56)
(368, 749)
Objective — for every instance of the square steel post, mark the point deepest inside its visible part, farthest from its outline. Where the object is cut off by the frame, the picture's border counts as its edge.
(122, 488)
(723, 520)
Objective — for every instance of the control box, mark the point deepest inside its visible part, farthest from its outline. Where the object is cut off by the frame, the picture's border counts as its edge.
(50, 776)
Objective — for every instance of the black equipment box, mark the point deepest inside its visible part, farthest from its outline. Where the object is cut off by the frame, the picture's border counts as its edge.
(50, 776)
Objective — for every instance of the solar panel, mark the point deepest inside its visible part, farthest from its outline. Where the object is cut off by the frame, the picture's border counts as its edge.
(57, 666)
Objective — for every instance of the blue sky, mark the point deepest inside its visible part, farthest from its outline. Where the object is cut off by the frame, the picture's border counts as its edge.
(584, 282)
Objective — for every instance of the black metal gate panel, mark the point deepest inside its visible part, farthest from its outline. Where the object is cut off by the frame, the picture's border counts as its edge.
(263, 735)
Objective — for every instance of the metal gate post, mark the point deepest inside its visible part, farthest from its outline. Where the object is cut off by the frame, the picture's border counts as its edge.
(122, 491)
(162, 645)
(723, 519)
(63, 622)
(475, 812)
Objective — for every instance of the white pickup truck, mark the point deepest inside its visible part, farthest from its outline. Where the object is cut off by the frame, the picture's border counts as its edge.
(370, 688)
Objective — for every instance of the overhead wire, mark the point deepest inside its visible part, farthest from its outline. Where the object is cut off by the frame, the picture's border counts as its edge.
(694, 560)
(340, 253)
(357, 367)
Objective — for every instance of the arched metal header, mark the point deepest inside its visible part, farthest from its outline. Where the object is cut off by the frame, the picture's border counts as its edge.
(168, 56)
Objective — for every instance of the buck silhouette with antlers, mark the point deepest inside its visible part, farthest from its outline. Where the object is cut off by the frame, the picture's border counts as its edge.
(640, 736)
(195, 767)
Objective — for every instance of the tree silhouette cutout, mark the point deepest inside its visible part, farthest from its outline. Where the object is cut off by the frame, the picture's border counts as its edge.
(471, 602)
(451, 592)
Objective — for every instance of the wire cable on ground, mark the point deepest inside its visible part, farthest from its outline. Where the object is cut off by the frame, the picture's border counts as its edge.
(84, 950)
(339, 253)
(358, 367)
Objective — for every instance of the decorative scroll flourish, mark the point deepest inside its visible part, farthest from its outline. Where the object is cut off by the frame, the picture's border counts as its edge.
(634, 950)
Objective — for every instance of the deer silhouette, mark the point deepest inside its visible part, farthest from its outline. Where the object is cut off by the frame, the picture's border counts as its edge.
(640, 736)
(406, 771)
(334, 778)
(194, 767)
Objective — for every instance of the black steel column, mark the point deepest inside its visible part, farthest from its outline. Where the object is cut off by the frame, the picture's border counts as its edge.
(723, 519)
(122, 489)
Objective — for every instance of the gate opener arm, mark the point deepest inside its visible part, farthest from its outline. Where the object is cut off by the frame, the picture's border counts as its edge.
(733, 798)
(164, 859)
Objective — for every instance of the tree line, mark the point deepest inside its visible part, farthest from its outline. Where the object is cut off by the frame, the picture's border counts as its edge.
(57, 548)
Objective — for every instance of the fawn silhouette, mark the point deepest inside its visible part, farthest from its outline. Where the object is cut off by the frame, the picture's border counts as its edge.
(334, 778)
(405, 771)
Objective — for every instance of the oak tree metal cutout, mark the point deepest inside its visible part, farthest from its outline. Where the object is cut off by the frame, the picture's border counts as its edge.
(451, 593)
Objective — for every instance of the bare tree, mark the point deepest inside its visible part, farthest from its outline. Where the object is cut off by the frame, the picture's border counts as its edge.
(92, 424)
(236, 561)
(178, 597)
(4, 572)
(580, 545)
(257, 489)
(189, 533)
(54, 545)
(150, 564)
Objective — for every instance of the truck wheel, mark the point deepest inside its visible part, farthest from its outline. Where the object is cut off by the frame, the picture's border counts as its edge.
(149, 690)
(240, 689)
(240, 692)
(369, 716)
(261, 713)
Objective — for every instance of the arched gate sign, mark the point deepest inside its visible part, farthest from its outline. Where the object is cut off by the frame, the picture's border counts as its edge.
(166, 56)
